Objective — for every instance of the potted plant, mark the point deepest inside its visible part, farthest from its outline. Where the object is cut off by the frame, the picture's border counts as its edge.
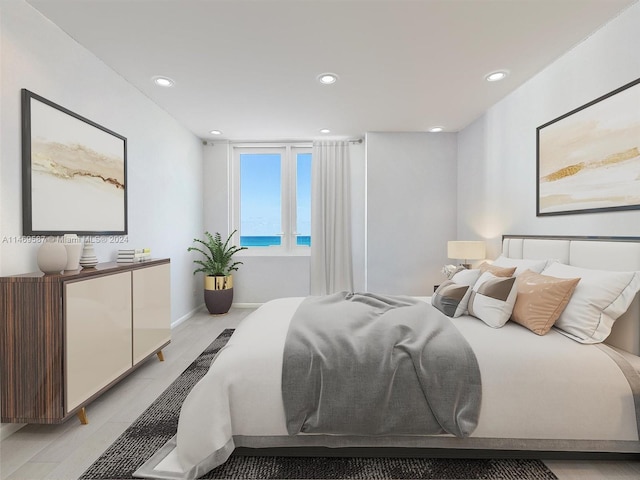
(217, 267)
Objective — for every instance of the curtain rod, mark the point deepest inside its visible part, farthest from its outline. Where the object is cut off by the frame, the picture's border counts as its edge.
(355, 140)
(258, 142)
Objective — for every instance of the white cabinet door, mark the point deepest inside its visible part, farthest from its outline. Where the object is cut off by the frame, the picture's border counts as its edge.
(98, 334)
(151, 310)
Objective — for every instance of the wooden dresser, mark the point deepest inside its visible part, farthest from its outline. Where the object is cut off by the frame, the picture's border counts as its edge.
(65, 339)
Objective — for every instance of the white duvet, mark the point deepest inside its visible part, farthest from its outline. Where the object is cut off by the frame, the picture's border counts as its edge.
(534, 387)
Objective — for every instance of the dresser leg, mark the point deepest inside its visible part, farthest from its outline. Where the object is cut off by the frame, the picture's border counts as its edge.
(160, 356)
(82, 416)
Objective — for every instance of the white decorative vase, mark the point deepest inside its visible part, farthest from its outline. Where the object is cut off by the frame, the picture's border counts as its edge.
(88, 258)
(73, 245)
(52, 256)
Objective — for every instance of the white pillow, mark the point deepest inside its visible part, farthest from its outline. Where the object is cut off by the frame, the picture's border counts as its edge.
(492, 299)
(521, 264)
(466, 277)
(598, 300)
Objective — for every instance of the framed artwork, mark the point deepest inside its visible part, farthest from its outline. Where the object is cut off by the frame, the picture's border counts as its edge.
(74, 172)
(588, 160)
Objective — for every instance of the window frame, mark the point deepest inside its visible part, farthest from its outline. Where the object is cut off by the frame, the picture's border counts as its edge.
(288, 196)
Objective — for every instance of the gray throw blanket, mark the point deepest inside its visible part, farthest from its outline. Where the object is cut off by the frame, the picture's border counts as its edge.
(366, 364)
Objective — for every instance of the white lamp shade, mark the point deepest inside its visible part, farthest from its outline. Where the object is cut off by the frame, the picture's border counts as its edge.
(466, 250)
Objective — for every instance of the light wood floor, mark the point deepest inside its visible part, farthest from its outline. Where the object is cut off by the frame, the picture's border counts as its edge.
(64, 452)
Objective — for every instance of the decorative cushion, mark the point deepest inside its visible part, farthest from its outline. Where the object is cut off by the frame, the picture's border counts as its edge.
(492, 299)
(466, 277)
(541, 299)
(496, 270)
(451, 298)
(521, 264)
(598, 300)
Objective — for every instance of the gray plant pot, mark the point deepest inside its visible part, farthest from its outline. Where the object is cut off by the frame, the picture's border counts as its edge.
(218, 294)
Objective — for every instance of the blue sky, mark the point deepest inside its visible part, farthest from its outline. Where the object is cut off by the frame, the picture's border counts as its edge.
(260, 203)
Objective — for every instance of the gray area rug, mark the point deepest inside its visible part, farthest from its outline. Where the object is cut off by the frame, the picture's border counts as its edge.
(159, 422)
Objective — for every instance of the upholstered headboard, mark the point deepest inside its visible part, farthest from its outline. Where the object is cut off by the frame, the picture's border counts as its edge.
(602, 253)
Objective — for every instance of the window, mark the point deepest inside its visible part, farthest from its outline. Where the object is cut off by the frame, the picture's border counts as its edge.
(271, 206)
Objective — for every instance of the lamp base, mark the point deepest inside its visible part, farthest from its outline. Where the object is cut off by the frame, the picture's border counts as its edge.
(466, 265)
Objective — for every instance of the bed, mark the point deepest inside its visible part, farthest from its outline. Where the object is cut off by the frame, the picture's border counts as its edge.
(540, 393)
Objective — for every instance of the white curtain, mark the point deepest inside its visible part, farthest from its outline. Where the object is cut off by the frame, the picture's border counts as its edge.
(331, 264)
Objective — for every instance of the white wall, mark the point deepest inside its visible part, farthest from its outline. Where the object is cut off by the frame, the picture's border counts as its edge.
(497, 153)
(411, 210)
(164, 160)
(263, 278)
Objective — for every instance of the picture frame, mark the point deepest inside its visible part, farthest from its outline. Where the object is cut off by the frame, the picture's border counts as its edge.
(589, 158)
(74, 172)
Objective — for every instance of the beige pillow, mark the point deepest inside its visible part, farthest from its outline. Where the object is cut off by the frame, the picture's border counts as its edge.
(541, 299)
(497, 271)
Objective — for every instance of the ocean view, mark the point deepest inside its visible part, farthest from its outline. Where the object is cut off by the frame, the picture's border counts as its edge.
(268, 241)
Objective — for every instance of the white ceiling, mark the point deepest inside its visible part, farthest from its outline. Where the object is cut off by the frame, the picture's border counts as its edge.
(249, 68)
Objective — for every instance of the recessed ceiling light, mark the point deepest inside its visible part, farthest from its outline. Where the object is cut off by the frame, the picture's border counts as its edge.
(325, 130)
(163, 81)
(327, 78)
(436, 129)
(496, 76)
(215, 132)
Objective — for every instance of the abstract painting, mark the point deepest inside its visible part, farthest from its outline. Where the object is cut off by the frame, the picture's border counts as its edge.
(589, 158)
(73, 172)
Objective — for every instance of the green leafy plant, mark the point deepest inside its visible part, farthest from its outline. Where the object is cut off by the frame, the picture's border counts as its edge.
(218, 255)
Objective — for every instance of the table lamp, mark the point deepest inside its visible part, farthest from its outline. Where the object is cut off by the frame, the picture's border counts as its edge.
(466, 250)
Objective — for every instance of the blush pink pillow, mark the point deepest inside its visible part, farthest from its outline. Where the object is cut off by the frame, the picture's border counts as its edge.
(541, 299)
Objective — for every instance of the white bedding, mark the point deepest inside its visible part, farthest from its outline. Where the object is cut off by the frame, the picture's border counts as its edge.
(534, 387)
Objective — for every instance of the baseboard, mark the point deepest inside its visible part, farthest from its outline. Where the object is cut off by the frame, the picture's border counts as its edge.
(7, 429)
(187, 316)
